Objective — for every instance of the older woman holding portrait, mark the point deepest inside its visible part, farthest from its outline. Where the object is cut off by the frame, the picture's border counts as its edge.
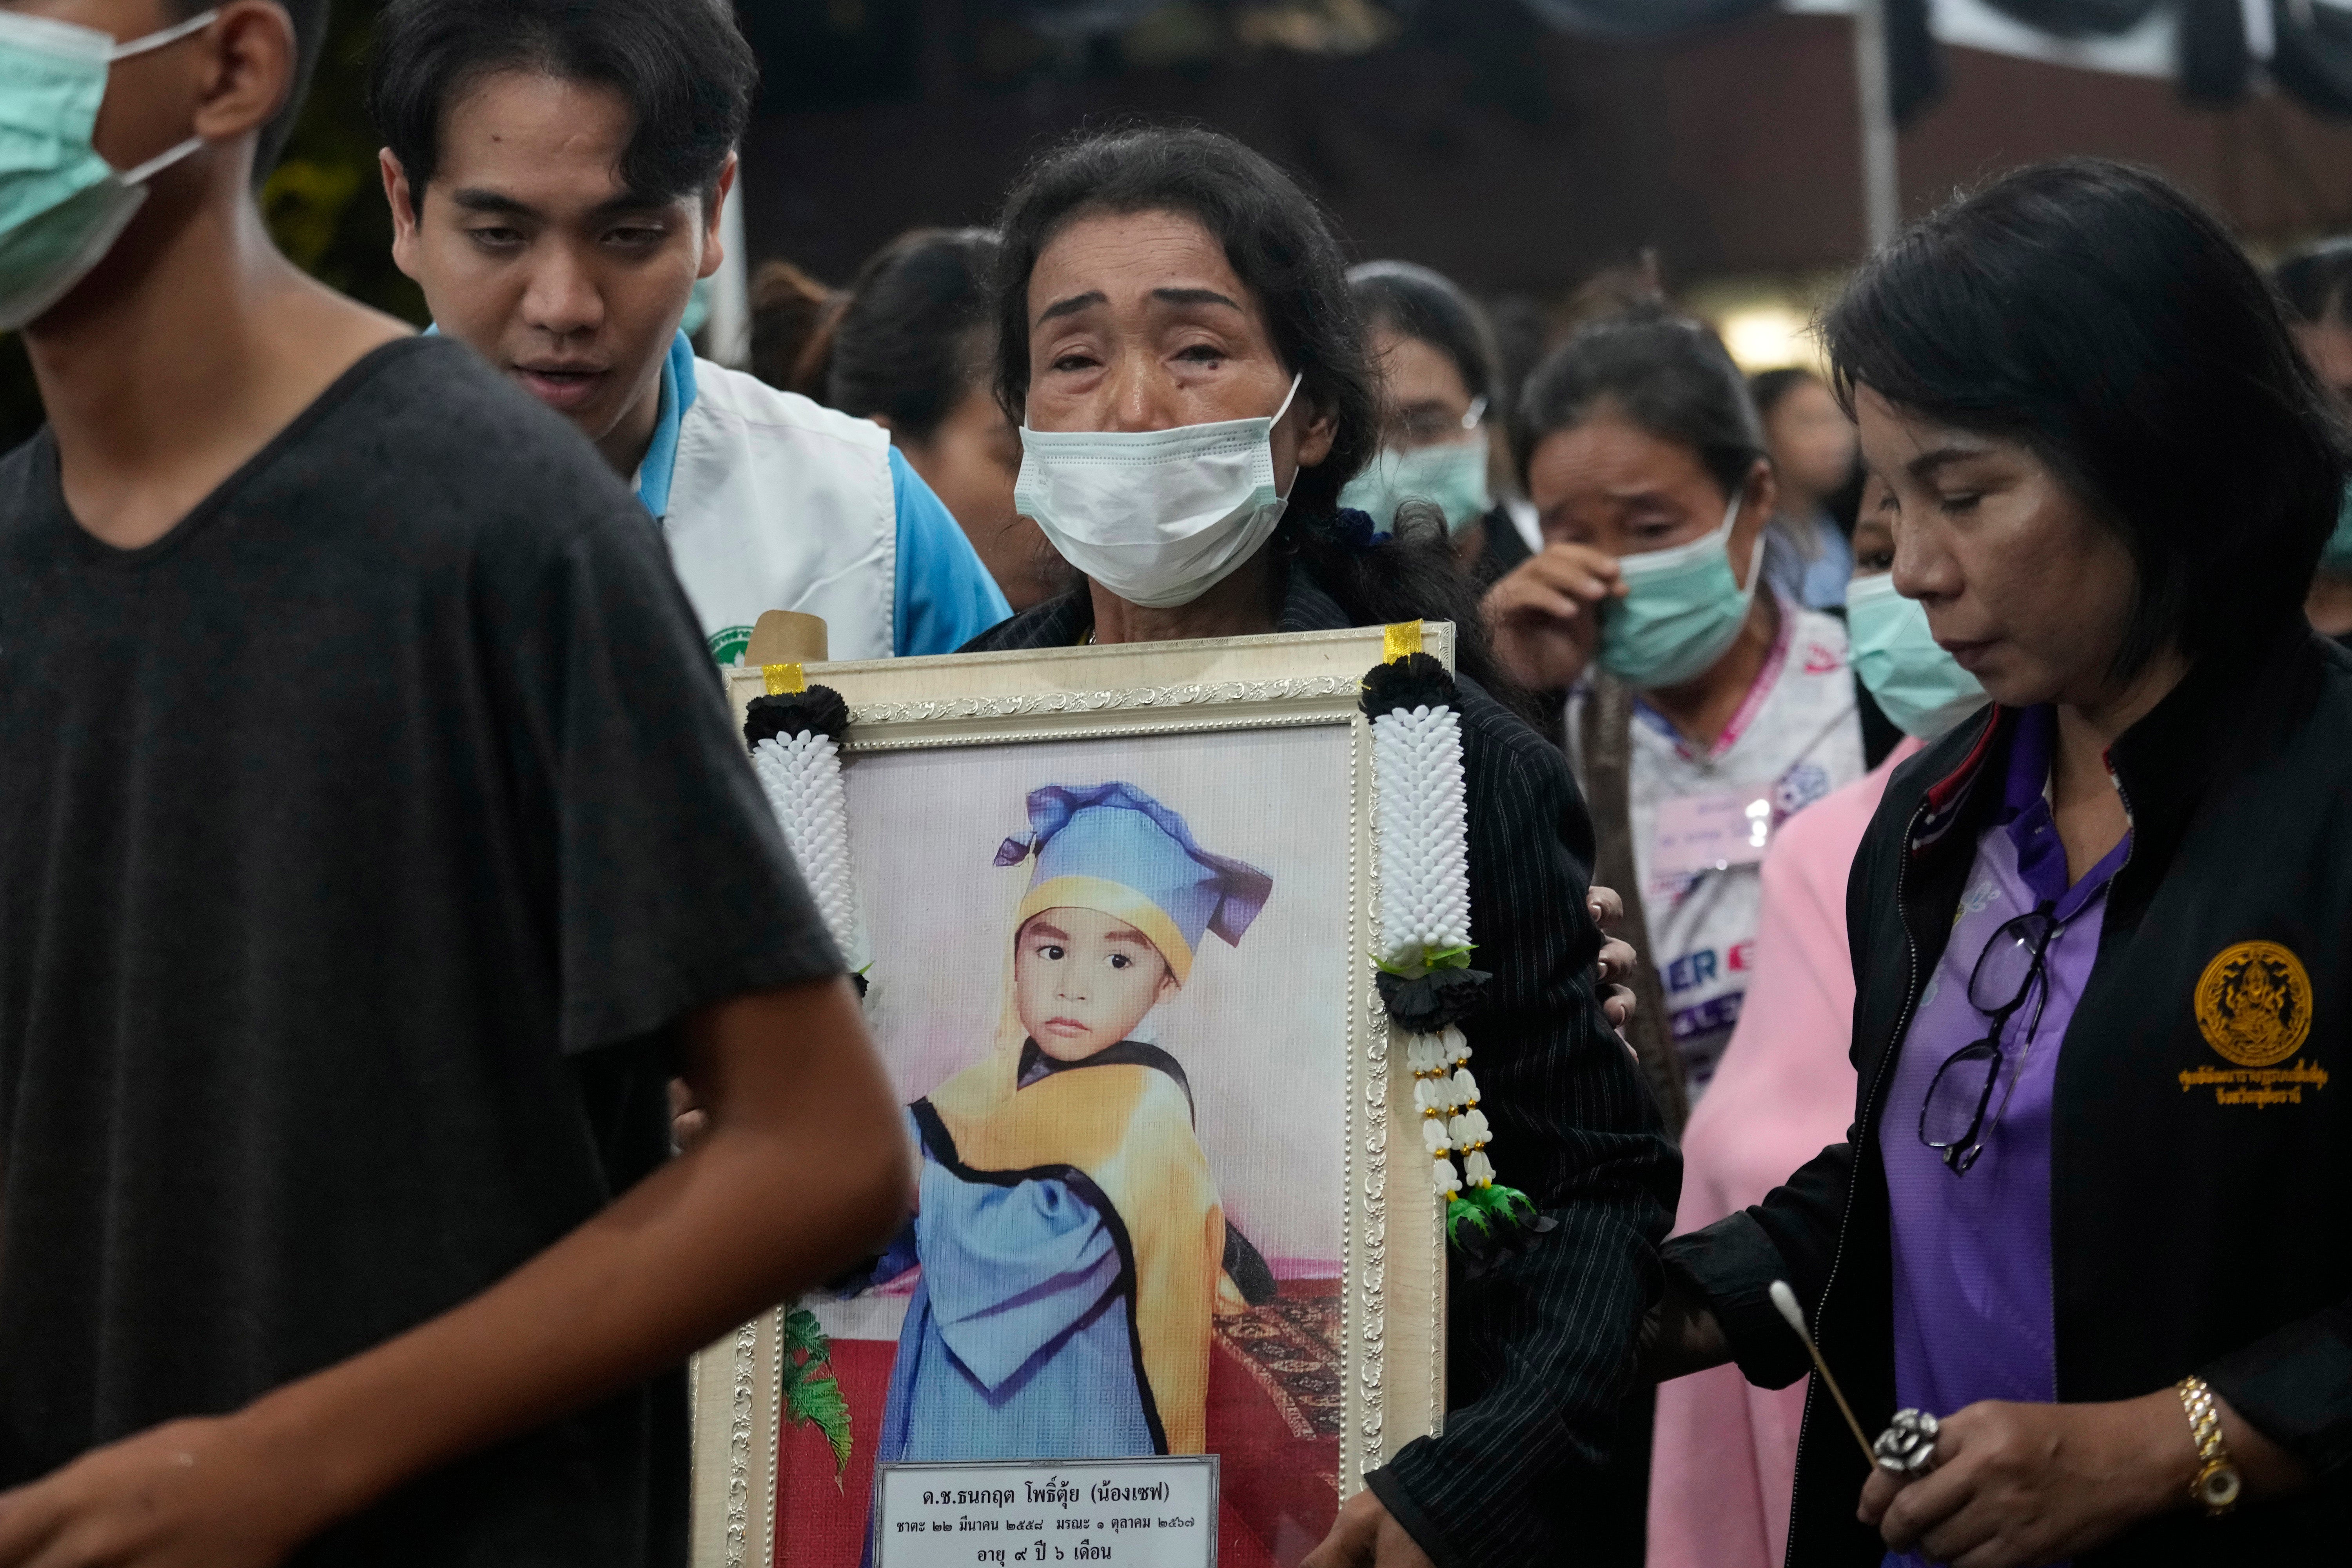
(2091, 1228)
(1177, 342)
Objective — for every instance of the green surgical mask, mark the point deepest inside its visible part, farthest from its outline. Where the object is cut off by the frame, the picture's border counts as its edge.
(1918, 685)
(1451, 475)
(1682, 611)
(2336, 555)
(61, 205)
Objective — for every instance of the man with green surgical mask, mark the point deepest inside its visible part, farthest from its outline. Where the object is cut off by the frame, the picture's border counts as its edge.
(374, 844)
(1704, 707)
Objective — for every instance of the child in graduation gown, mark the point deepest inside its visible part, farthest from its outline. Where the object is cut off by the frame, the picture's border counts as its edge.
(1070, 1234)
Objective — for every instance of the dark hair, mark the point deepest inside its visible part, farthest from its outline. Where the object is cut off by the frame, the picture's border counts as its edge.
(2096, 315)
(2316, 282)
(1616, 294)
(309, 19)
(1275, 237)
(1417, 303)
(792, 314)
(1523, 335)
(681, 66)
(1665, 375)
(913, 339)
(1414, 574)
(1767, 387)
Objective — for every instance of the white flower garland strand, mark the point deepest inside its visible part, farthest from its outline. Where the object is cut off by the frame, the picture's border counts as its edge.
(1424, 829)
(1447, 1097)
(1424, 832)
(801, 775)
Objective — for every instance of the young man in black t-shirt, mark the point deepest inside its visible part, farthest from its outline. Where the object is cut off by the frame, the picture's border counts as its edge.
(373, 846)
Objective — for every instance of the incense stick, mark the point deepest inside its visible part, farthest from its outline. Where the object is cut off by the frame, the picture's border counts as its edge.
(1786, 1301)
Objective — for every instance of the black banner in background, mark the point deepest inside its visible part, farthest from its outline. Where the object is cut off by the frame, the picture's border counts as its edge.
(2314, 54)
(1915, 59)
(1641, 18)
(2216, 67)
(2313, 60)
(2078, 19)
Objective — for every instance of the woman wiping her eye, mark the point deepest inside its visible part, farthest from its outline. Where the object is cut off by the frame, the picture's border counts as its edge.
(1705, 706)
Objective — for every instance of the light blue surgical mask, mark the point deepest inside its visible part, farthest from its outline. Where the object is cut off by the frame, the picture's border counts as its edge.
(61, 205)
(698, 306)
(1682, 611)
(2335, 556)
(1918, 685)
(1450, 475)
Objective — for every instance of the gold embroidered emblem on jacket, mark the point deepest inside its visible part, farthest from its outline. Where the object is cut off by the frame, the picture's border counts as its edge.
(2254, 1004)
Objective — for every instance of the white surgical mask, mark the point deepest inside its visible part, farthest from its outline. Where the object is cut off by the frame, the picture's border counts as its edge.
(1158, 517)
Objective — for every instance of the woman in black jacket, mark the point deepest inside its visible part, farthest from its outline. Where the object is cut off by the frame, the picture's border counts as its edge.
(1174, 308)
(2094, 1211)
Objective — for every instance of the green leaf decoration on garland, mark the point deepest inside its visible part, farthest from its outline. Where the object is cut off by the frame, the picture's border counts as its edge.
(1463, 1210)
(1412, 964)
(1506, 1203)
(1487, 1211)
(812, 1396)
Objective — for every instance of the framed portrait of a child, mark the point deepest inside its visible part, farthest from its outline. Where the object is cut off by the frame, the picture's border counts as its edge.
(1116, 911)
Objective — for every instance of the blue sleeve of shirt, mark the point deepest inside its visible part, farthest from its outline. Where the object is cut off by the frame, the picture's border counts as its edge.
(946, 597)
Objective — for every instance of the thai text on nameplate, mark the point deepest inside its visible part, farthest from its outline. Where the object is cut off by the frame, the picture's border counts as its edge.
(1159, 1512)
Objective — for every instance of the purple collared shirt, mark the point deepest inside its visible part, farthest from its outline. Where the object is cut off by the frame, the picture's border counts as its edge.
(1973, 1317)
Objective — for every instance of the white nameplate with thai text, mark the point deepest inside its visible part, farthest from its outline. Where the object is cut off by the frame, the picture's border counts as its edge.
(1159, 1512)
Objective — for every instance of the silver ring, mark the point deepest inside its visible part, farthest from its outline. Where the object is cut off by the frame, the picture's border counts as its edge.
(1907, 1447)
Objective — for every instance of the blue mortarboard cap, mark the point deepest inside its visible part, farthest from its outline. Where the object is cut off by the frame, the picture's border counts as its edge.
(1112, 847)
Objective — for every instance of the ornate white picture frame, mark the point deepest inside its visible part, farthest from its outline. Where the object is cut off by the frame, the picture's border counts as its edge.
(1163, 706)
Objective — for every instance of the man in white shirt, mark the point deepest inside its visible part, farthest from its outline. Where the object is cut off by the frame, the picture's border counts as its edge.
(555, 174)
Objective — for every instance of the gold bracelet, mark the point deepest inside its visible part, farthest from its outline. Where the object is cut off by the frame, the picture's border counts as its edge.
(2217, 1485)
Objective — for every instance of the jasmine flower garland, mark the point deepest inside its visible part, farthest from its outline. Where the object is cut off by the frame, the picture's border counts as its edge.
(1425, 979)
(795, 734)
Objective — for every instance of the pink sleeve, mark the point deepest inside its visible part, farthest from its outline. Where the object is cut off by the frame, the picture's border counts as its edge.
(1724, 1454)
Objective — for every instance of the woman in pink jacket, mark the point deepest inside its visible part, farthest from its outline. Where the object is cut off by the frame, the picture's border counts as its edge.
(1723, 1456)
